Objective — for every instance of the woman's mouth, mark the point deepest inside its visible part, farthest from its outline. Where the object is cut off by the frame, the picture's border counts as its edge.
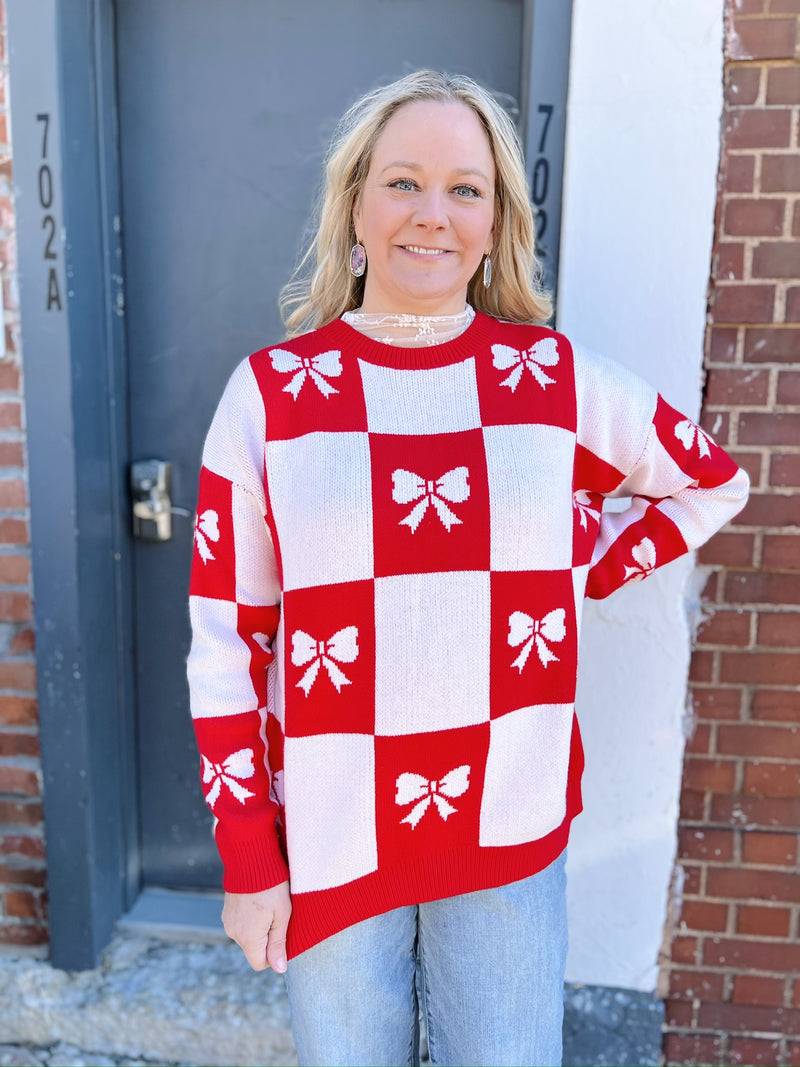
(418, 250)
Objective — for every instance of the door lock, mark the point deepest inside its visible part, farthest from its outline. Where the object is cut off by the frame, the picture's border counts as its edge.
(151, 484)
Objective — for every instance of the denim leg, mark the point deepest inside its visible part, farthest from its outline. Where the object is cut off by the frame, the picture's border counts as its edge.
(352, 997)
(493, 967)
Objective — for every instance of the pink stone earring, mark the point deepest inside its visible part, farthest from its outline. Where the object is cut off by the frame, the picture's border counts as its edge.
(358, 259)
(487, 272)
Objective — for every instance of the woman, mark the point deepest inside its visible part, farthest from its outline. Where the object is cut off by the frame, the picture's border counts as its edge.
(400, 515)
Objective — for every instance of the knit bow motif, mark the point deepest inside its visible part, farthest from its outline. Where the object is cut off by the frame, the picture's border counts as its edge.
(408, 487)
(420, 791)
(690, 434)
(206, 528)
(320, 368)
(644, 559)
(342, 647)
(543, 354)
(582, 502)
(230, 773)
(525, 631)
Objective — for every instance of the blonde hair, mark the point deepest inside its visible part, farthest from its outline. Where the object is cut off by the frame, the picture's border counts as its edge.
(322, 287)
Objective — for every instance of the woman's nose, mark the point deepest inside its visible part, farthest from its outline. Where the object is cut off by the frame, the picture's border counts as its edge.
(431, 209)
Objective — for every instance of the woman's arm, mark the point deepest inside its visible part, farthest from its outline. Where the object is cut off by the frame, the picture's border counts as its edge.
(234, 606)
(682, 486)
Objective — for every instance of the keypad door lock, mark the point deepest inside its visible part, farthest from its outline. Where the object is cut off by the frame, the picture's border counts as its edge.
(151, 485)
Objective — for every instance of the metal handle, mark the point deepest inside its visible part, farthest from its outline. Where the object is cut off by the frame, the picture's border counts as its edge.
(151, 484)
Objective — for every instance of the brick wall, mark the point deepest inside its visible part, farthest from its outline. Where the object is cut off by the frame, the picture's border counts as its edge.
(734, 975)
(22, 873)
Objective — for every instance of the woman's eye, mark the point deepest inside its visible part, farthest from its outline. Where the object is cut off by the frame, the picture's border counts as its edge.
(404, 184)
(467, 191)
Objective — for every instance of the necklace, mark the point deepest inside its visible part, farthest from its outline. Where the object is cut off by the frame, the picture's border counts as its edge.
(409, 331)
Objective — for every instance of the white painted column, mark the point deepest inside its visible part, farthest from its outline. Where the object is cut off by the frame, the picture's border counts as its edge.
(643, 131)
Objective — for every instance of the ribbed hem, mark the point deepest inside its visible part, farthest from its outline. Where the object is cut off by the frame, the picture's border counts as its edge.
(460, 348)
(316, 916)
(252, 864)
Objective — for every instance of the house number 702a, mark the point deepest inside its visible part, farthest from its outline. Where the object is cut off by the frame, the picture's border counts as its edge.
(48, 219)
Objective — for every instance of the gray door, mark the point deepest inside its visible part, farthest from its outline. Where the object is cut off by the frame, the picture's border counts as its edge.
(225, 109)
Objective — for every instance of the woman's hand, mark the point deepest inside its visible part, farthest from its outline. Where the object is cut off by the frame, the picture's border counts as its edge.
(257, 923)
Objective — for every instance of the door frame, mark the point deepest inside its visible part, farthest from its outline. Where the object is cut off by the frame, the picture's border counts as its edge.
(62, 64)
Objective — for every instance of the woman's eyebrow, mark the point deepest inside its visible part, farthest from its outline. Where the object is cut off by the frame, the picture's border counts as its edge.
(418, 166)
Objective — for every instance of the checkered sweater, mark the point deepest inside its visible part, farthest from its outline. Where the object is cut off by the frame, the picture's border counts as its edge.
(392, 550)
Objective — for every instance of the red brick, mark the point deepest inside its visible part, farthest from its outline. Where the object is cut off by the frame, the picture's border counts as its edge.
(22, 845)
(19, 781)
(777, 850)
(722, 344)
(751, 883)
(771, 345)
(743, 303)
(763, 39)
(728, 261)
(789, 385)
(678, 1013)
(793, 302)
(749, 7)
(793, 1053)
(14, 570)
(18, 711)
(776, 956)
(736, 386)
(784, 469)
(19, 812)
(782, 552)
(753, 217)
(716, 703)
(744, 739)
(9, 377)
(776, 705)
(725, 628)
(796, 220)
(34, 877)
(698, 743)
(13, 494)
(744, 1017)
(718, 776)
(701, 668)
(17, 675)
(757, 428)
(704, 915)
(10, 415)
(770, 509)
(742, 85)
(709, 591)
(750, 462)
(13, 532)
(717, 423)
(703, 984)
(20, 905)
(754, 668)
(762, 921)
(729, 549)
(781, 812)
(692, 879)
(779, 630)
(780, 174)
(776, 259)
(693, 1049)
(754, 1051)
(685, 950)
(22, 641)
(692, 805)
(740, 174)
(11, 454)
(17, 744)
(785, 7)
(15, 606)
(772, 779)
(703, 844)
(23, 934)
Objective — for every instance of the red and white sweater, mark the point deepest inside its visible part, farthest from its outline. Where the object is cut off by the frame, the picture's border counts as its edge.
(392, 550)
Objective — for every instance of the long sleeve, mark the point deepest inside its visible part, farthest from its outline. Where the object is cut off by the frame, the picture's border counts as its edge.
(682, 486)
(234, 607)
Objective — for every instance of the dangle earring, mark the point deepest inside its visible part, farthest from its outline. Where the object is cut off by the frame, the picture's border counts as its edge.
(487, 272)
(358, 259)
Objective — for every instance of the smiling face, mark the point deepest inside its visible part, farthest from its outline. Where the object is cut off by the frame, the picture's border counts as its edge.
(425, 213)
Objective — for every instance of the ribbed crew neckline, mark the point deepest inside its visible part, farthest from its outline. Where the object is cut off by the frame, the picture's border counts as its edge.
(443, 355)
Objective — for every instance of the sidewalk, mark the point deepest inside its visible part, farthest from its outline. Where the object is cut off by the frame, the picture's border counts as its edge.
(155, 1001)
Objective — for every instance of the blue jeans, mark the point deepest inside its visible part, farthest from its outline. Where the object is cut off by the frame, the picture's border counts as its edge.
(491, 975)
